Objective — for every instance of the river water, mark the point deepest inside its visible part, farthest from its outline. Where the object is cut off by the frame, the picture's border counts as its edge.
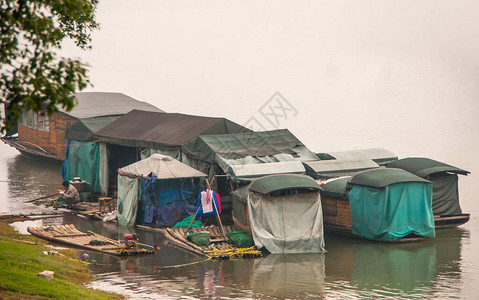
(350, 75)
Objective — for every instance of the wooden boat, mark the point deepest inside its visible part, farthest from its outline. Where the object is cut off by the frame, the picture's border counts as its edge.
(70, 235)
(450, 221)
(219, 248)
(401, 217)
(337, 219)
(445, 198)
(291, 200)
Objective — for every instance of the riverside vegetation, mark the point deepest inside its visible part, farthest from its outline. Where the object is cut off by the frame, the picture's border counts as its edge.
(22, 258)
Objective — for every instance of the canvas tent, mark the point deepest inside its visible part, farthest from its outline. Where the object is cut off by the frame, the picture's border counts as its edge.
(161, 189)
(285, 214)
(388, 204)
(249, 155)
(445, 193)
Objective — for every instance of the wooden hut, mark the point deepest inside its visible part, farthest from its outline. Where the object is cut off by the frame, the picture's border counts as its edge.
(43, 136)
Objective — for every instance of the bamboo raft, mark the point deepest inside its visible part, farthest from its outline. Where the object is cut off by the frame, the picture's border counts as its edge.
(220, 249)
(70, 235)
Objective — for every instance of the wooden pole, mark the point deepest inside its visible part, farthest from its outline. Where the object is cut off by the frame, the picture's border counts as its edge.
(40, 198)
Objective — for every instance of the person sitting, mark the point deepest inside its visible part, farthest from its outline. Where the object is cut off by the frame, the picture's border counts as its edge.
(70, 194)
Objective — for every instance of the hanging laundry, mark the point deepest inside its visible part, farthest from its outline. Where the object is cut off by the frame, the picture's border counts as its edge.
(207, 208)
(207, 201)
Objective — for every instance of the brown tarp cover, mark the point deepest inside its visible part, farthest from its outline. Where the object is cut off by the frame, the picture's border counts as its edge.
(158, 130)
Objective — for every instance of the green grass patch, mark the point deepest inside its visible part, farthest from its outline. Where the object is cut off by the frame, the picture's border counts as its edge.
(21, 261)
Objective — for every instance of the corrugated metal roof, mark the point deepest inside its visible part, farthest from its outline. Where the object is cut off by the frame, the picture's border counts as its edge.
(95, 104)
(335, 168)
(378, 155)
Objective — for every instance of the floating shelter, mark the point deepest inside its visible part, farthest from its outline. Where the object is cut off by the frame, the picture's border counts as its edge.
(248, 155)
(43, 136)
(157, 191)
(382, 204)
(282, 212)
(139, 134)
(445, 192)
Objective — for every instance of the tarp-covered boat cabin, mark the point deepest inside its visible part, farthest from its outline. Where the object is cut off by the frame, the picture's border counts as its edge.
(282, 212)
(43, 136)
(237, 159)
(139, 134)
(445, 192)
(382, 204)
(157, 191)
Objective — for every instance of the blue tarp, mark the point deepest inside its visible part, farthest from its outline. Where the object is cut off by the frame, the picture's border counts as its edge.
(166, 202)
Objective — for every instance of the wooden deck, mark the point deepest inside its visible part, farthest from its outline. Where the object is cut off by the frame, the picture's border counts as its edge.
(69, 235)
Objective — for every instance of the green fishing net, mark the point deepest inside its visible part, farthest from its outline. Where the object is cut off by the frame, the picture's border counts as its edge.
(201, 238)
(186, 222)
(240, 239)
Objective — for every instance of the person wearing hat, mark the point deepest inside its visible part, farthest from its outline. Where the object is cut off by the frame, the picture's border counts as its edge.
(70, 194)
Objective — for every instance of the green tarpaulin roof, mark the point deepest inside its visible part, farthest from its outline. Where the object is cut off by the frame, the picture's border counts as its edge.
(335, 187)
(382, 177)
(157, 130)
(424, 167)
(83, 129)
(268, 184)
(239, 145)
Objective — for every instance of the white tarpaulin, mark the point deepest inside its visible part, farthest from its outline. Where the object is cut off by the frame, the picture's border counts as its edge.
(287, 224)
(161, 166)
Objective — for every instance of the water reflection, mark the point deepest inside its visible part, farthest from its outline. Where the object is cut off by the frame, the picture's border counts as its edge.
(366, 269)
(351, 268)
(289, 276)
(27, 178)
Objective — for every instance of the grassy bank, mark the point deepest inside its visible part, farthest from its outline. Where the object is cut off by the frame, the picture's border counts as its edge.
(21, 260)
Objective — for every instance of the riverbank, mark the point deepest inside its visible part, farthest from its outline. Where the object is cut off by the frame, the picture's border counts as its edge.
(22, 258)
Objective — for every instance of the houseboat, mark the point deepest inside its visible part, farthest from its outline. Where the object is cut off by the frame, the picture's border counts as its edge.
(282, 212)
(445, 192)
(382, 204)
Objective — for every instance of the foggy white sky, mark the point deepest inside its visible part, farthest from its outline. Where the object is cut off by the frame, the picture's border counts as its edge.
(360, 73)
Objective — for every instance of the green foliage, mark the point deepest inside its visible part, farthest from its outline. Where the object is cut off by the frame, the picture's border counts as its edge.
(33, 76)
